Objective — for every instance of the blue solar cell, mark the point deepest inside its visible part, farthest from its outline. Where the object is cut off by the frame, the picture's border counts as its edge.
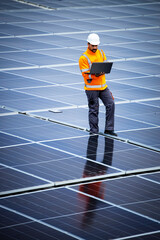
(10, 218)
(7, 75)
(70, 54)
(138, 111)
(152, 60)
(30, 154)
(105, 11)
(10, 95)
(35, 15)
(61, 41)
(75, 116)
(7, 64)
(154, 103)
(80, 212)
(4, 6)
(123, 74)
(85, 25)
(31, 230)
(79, 117)
(151, 118)
(36, 28)
(114, 23)
(80, 99)
(13, 81)
(34, 103)
(131, 65)
(71, 69)
(152, 30)
(36, 129)
(106, 218)
(149, 209)
(34, 58)
(107, 38)
(73, 168)
(65, 79)
(25, 102)
(7, 140)
(134, 35)
(118, 86)
(18, 30)
(102, 11)
(7, 49)
(14, 179)
(25, 44)
(41, 73)
(10, 5)
(4, 35)
(18, 121)
(7, 17)
(110, 152)
(155, 177)
(148, 136)
(130, 53)
(149, 82)
(150, 20)
(136, 190)
(2, 110)
(153, 6)
(71, 14)
(133, 193)
(136, 10)
(135, 93)
(54, 92)
(145, 46)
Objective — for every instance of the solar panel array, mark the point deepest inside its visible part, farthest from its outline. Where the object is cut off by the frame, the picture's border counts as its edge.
(57, 181)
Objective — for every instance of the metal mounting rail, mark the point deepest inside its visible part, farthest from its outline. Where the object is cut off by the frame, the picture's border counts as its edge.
(57, 184)
(138, 144)
(87, 130)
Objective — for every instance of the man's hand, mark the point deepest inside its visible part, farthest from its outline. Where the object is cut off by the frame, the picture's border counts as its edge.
(99, 74)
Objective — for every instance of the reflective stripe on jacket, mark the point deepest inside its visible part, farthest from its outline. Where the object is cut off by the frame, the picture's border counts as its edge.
(85, 62)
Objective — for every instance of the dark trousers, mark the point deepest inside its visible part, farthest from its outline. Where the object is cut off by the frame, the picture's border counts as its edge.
(93, 104)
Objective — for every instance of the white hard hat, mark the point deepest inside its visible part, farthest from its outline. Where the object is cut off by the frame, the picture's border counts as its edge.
(93, 39)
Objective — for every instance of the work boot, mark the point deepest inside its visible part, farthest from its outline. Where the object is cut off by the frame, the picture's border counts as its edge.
(110, 132)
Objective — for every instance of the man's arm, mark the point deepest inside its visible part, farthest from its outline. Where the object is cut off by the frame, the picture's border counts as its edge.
(84, 66)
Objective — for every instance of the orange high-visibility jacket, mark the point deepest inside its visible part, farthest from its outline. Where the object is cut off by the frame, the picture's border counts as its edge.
(85, 61)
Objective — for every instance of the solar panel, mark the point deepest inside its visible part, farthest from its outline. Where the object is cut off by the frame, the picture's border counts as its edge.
(24, 44)
(153, 177)
(128, 126)
(152, 82)
(12, 64)
(14, 81)
(33, 58)
(57, 180)
(145, 136)
(119, 155)
(4, 111)
(12, 179)
(36, 129)
(27, 228)
(7, 140)
(82, 215)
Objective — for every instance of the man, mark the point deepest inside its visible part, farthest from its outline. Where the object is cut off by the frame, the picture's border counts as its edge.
(96, 87)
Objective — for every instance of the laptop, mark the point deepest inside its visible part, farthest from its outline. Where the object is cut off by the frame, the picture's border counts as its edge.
(98, 67)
